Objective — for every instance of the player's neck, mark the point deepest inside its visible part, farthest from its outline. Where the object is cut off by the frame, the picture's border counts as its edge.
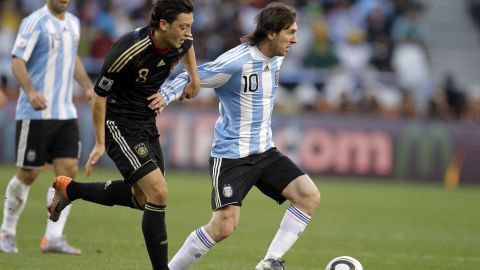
(60, 16)
(158, 40)
(266, 48)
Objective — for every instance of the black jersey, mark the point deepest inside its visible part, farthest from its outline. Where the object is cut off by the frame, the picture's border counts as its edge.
(134, 69)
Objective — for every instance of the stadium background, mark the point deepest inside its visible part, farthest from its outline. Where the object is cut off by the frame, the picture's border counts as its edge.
(379, 101)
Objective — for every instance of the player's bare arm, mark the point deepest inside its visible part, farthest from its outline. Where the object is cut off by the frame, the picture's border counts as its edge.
(3, 98)
(83, 79)
(99, 105)
(190, 64)
(19, 69)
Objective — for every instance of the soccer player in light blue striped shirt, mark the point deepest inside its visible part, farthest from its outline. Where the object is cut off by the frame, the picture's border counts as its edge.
(245, 81)
(243, 155)
(45, 64)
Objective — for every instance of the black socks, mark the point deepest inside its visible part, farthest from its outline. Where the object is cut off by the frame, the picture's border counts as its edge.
(155, 234)
(106, 193)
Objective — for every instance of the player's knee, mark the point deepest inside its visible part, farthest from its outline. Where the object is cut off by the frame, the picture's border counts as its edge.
(69, 170)
(315, 198)
(222, 225)
(158, 195)
(312, 200)
(309, 201)
(228, 229)
(27, 176)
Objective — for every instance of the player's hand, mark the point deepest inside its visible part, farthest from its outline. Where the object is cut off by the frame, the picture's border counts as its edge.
(192, 89)
(37, 101)
(89, 94)
(157, 103)
(95, 155)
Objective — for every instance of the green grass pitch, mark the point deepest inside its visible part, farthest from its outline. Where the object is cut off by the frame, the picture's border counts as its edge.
(387, 226)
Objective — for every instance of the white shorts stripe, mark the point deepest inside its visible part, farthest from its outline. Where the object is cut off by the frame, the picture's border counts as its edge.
(22, 142)
(117, 136)
(79, 150)
(217, 164)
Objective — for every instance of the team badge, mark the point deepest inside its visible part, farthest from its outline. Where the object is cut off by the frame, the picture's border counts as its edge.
(105, 83)
(141, 149)
(31, 155)
(227, 191)
(21, 43)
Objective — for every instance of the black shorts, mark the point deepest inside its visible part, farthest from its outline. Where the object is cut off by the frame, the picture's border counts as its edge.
(135, 150)
(41, 141)
(232, 179)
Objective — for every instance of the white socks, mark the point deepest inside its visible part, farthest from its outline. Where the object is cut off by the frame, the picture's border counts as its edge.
(197, 244)
(54, 230)
(293, 224)
(16, 197)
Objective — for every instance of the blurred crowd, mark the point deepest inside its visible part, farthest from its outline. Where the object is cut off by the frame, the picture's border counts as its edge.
(367, 57)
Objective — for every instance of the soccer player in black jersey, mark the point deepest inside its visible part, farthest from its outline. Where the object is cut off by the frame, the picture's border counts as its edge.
(124, 111)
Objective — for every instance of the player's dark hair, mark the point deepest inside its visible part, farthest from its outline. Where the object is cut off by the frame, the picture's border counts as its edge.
(168, 10)
(273, 18)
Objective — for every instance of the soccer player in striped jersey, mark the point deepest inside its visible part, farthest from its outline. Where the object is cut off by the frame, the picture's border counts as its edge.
(45, 64)
(124, 110)
(243, 155)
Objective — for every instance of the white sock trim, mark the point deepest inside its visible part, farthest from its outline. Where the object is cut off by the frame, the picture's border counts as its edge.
(197, 244)
(299, 214)
(205, 237)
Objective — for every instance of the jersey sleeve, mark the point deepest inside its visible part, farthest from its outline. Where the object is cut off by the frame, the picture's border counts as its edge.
(27, 39)
(186, 45)
(110, 76)
(172, 90)
(212, 75)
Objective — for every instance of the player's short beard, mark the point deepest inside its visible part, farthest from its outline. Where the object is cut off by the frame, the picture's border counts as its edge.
(275, 50)
(57, 9)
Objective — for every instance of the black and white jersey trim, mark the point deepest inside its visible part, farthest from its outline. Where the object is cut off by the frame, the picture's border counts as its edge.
(134, 50)
(22, 143)
(217, 164)
(127, 151)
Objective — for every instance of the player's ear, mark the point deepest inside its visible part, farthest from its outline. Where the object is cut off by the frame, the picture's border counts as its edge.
(272, 35)
(163, 25)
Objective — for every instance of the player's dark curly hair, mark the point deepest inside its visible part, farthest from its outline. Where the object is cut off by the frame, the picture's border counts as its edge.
(168, 10)
(273, 18)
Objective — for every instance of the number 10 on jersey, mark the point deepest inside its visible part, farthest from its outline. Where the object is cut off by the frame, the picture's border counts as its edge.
(250, 83)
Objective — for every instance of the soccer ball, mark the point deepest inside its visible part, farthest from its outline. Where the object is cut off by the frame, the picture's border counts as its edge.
(344, 263)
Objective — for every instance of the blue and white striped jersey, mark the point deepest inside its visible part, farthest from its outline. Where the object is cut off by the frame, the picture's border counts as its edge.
(245, 82)
(49, 47)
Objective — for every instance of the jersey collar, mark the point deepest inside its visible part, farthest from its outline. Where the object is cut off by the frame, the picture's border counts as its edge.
(257, 54)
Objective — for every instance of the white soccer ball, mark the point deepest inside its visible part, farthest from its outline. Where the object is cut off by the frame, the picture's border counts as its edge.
(344, 263)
